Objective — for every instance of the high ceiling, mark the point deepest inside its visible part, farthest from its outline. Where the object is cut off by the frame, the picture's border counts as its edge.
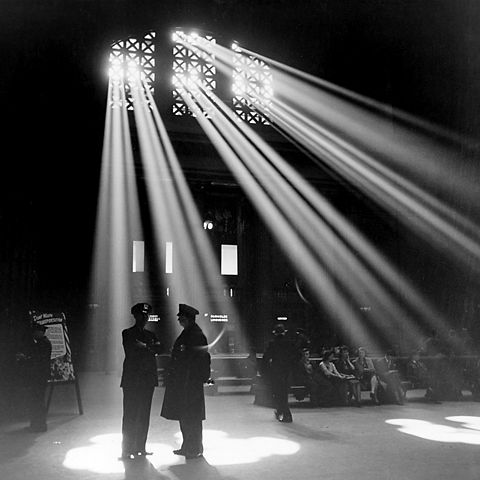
(421, 56)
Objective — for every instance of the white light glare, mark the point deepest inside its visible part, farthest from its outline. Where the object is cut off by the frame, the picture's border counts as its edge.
(119, 70)
(101, 456)
(222, 450)
(468, 432)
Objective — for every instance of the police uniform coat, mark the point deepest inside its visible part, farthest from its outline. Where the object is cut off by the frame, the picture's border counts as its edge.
(139, 366)
(139, 379)
(189, 368)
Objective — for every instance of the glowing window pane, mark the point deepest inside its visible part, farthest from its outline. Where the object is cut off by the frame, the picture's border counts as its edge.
(229, 260)
(132, 60)
(138, 256)
(252, 87)
(192, 67)
(168, 257)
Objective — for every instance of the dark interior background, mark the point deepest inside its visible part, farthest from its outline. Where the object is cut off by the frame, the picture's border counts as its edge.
(420, 57)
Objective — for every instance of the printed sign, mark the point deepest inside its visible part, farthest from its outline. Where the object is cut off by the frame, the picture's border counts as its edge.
(57, 332)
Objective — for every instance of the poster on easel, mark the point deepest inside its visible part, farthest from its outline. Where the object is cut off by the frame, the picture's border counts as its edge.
(61, 363)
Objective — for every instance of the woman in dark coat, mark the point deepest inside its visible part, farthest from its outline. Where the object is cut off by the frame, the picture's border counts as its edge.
(188, 370)
(338, 391)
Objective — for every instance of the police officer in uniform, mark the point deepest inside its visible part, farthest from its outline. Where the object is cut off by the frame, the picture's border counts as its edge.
(36, 356)
(139, 378)
(278, 358)
(188, 370)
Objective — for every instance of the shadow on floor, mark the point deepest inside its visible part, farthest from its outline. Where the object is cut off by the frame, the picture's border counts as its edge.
(16, 443)
(142, 469)
(197, 469)
(307, 432)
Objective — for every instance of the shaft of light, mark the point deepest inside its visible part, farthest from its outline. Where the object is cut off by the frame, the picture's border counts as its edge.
(117, 225)
(175, 215)
(230, 145)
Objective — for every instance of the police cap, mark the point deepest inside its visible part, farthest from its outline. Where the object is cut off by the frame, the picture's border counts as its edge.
(187, 311)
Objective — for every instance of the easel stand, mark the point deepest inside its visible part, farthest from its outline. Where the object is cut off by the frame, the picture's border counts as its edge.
(77, 392)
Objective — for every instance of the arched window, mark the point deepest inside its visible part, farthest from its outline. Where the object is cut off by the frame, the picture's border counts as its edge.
(132, 57)
(252, 87)
(193, 65)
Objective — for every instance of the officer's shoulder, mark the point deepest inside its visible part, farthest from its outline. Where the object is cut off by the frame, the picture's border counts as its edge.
(196, 330)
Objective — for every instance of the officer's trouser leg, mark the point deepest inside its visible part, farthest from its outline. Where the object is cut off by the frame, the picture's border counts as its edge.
(192, 436)
(128, 421)
(143, 417)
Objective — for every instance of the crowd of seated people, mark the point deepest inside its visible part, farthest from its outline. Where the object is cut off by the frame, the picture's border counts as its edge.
(338, 380)
(334, 378)
(334, 381)
(322, 393)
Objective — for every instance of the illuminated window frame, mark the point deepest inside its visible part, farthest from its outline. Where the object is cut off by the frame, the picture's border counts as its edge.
(252, 87)
(138, 255)
(191, 66)
(128, 59)
(229, 260)
(168, 257)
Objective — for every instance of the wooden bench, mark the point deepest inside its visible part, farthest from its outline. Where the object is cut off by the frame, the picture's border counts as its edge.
(227, 381)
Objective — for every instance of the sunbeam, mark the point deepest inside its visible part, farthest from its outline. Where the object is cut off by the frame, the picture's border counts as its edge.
(352, 137)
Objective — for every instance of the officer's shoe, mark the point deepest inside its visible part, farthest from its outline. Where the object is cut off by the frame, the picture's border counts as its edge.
(190, 456)
(179, 452)
(143, 453)
(125, 457)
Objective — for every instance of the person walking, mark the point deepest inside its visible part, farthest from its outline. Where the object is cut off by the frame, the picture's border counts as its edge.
(139, 379)
(278, 359)
(188, 370)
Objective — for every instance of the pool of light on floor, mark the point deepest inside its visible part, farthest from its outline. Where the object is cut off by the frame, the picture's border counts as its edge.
(101, 455)
(464, 429)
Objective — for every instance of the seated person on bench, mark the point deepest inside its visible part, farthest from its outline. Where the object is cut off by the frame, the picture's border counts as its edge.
(365, 372)
(346, 368)
(334, 383)
(421, 377)
(388, 375)
(302, 373)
